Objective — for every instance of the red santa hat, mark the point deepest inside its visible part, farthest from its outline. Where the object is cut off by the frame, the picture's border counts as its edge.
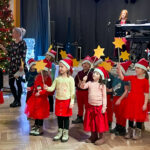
(87, 59)
(68, 63)
(69, 56)
(51, 53)
(142, 63)
(125, 66)
(96, 61)
(31, 62)
(47, 67)
(111, 62)
(104, 74)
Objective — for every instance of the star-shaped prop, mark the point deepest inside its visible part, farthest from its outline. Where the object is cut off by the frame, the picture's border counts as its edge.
(106, 65)
(50, 47)
(118, 43)
(75, 62)
(40, 65)
(99, 52)
(125, 55)
(63, 54)
(107, 58)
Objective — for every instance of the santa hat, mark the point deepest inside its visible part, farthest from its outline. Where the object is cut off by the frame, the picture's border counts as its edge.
(69, 56)
(142, 63)
(125, 66)
(111, 62)
(87, 59)
(68, 63)
(104, 74)
(51, 53)
(98, 62)
(31, 62)
(47, 67)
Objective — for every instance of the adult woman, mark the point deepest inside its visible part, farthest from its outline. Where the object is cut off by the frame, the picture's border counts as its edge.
(119, 32)
(17, 54)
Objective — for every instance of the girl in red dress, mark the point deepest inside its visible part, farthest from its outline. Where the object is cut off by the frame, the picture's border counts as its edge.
(136, 106)
(95, 120)
(37, 106)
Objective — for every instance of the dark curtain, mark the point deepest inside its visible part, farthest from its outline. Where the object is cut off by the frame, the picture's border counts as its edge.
(92, 22)
(35, 19)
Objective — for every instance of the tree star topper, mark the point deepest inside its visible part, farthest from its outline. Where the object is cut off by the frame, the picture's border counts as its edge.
(99, 52)
(40, 65)
(118, 43)
(63, 54)
(125, 55)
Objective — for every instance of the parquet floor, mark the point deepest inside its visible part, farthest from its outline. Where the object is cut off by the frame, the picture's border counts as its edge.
(14, 129)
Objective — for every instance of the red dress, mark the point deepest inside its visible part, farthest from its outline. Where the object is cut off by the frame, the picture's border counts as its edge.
(1, 97)
(136, 98)
(37, 107)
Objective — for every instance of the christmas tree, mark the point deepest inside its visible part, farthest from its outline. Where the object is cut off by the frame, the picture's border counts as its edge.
(6, 25)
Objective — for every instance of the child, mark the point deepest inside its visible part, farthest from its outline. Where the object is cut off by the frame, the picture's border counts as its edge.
(69, 56)
(95, 119)
(50, 56)
(65, 94)
(109, 96)
(82, 94)
(120, 91)
(136, 107)
(30, 76)
(37, 106)
(96, 61)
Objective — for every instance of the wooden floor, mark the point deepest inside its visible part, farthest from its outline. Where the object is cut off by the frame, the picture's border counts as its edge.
(14, 134)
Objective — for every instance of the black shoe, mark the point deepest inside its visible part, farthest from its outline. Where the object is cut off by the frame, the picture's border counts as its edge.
(115, 130)
(79, 119)
(15, 104)
(122, 131)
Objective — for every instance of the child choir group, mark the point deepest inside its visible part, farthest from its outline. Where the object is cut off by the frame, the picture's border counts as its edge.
(99, 94)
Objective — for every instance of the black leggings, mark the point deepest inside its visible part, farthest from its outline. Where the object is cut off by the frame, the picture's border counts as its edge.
(51, 102)
(138, 124)
(39, 122)
(63, 122)
(16, 92)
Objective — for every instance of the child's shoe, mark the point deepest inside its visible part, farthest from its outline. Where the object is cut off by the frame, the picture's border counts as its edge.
(92, 138)
(138, 134)
(38, 131)
(65, 136)
(101, 140)
(129, 134)
(58, 135)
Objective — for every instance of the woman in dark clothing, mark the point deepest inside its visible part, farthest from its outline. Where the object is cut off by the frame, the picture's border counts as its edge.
(17, 54)
(119, 32)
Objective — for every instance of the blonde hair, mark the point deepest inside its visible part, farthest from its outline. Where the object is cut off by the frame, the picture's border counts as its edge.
(126, 17)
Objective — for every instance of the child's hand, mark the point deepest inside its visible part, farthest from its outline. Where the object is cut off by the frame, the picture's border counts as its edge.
(28, 89)
(144, 107)
(45, 87)
(85, 78)
(71, 106)
(103, 110)
(118, 102)
(37, 94)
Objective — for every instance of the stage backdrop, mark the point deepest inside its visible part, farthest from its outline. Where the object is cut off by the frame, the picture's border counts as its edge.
(92, 22)
(35, 18)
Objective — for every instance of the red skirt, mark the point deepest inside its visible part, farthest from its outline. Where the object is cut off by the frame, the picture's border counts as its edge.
(37, 107)
(94, 120)
(134, 108)
(1, 97)
(62, 108)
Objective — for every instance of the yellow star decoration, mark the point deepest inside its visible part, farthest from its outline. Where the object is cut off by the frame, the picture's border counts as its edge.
(50, 47)
(106, 65)
(63, 54)
(125, 55)
(107, 58)
(75, 62)
(40, 65)
(118, 43)
(99, 52)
